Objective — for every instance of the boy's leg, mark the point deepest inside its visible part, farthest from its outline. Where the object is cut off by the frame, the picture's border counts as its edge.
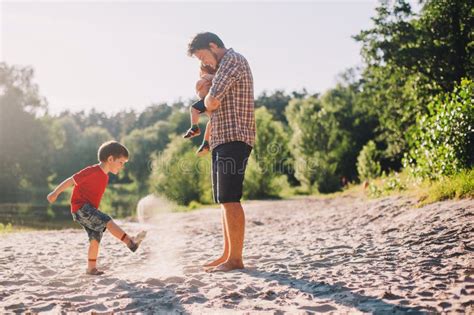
(132, 243)
(94, 242)
(116, 231)
(96, 222)
(93, 253)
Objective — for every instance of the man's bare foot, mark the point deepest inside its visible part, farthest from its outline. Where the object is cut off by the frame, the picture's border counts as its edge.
(227, 266)
(215, 263)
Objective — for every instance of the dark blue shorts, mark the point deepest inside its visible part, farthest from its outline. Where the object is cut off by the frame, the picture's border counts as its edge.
(92, 220)
(229, 161)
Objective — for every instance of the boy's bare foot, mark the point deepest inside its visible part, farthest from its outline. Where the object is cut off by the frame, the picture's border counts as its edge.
(227, 266)
(136, 241)
(94, 272)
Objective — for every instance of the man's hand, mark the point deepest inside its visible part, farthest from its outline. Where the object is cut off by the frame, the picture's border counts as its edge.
(208, 77)
(203, 84)
(211, 103)
(52, 196)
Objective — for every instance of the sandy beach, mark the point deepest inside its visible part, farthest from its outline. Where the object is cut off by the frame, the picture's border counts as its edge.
(303, 256)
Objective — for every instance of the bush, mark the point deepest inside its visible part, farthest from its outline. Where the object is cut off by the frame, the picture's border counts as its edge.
(387, 185)
(259, 184)
(268, 161)
(442, 143)
(368, 165)
(179, 175)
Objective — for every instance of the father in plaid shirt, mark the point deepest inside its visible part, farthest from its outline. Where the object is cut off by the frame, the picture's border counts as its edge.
(231, 104)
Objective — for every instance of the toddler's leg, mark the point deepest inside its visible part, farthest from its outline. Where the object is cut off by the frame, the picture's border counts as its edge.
(204, 148)
(195, 110)
(207, 132)
(194, 116)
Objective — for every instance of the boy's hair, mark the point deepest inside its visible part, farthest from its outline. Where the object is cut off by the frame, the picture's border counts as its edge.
(202, 41)
(112, 148)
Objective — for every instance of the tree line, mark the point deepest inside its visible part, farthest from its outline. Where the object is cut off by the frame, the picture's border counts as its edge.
(409, 107)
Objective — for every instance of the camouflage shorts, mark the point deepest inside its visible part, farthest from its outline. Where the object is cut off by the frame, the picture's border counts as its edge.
(92, 220)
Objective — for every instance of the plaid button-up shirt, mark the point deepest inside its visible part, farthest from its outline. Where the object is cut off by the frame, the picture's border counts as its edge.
(232, 85)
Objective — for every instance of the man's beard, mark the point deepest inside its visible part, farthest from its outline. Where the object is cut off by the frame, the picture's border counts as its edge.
(216, 59)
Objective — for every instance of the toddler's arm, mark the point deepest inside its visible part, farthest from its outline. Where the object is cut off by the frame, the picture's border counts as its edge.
(52, 196)
(203, 85)
(202, 88)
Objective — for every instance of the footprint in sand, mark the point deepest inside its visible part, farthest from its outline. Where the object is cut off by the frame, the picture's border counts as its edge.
(173, 280)
(196, 282)
(48, 273)
(155, 282)
(107, 281)
(319, 309)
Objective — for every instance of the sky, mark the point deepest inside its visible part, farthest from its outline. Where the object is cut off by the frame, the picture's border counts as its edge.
(117, 55)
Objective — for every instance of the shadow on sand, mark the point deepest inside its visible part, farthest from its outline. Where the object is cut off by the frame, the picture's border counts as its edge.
(339, 294)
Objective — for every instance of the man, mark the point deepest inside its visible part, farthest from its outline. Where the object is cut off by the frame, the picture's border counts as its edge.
(230, 102)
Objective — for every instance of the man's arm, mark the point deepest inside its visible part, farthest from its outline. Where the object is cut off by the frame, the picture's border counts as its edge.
(52, 196)
(227, 75)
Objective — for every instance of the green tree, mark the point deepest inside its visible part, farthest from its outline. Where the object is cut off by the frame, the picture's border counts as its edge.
(410, 59)
(368, 165)
(65, 135)
(317, 143)
(142, 143)
(89, 142)
(270, 158)
(23, 139)
(444, 138)
(180, 175)
(152, 114)
(275, 103)
(328, 133)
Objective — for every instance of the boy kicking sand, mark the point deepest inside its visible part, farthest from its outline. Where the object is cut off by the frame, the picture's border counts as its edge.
(89, 186)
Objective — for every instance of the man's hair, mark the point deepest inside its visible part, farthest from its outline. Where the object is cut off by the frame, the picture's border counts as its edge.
(202, 41)
(112, 148)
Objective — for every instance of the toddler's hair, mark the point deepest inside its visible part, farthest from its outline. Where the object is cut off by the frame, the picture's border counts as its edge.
(206, 70)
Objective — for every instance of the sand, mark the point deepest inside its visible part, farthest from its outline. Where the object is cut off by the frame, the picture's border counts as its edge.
(343, 255)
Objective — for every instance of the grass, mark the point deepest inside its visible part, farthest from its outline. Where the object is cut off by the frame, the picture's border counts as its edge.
(460, 185)
(6, 228)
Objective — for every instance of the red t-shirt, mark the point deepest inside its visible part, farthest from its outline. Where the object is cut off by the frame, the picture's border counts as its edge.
(90, 184)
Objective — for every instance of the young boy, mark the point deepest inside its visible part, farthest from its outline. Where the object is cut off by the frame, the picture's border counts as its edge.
(202, 87)
(89, 186)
